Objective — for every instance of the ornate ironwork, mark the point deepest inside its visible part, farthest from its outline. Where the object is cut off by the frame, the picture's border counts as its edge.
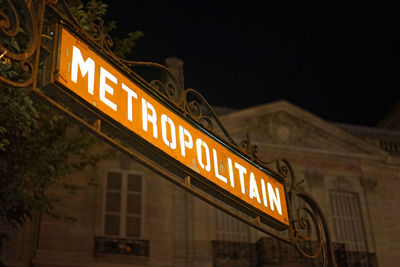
(121, 246)
(24, 21)
(189, 101)
(308, 231)
(20, 27)
(347, 258)
(227, 253)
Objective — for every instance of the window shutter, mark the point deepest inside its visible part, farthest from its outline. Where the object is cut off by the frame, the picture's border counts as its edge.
(347, 220)
(123, 204)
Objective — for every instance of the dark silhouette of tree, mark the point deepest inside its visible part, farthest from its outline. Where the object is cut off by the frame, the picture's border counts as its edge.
(38, 145)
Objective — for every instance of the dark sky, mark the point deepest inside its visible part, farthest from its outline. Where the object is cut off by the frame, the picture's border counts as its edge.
(336, 60)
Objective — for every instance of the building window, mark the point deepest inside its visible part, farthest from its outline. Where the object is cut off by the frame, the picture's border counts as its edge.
(123, 204)
(347, 220)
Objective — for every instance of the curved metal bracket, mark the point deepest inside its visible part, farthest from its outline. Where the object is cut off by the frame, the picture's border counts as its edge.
(21, 28)
(308, 232)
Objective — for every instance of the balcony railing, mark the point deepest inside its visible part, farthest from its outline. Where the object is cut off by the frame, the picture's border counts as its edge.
(120, 246)
(227, 254)
(348, 258)
(271, 252)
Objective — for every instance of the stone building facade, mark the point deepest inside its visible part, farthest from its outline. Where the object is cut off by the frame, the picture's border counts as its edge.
(136, 218)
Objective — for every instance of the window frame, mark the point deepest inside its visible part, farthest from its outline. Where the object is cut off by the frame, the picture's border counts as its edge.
(357, 244)
(123, 213)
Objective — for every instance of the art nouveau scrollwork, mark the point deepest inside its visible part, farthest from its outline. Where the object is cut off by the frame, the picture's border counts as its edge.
(308, 230)
(22, 37)
(308, 219)
(188, 101)
(19, 30)
(23, 20)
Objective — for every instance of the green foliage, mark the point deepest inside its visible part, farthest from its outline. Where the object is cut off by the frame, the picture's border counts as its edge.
(89, 14)
(39, 146)
(123, 47)
(92, 13)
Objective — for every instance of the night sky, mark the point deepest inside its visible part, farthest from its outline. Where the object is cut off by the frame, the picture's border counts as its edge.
(336, 60)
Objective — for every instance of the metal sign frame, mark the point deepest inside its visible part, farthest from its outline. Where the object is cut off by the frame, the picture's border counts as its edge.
(304, 220)
(87, 105)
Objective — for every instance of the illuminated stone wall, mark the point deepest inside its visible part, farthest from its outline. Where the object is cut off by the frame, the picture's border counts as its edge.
(339, 166)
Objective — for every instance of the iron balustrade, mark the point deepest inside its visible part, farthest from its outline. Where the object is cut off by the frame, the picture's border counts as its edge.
(120, 246)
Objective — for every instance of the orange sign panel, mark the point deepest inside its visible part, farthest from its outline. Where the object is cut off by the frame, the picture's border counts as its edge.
(102, 86)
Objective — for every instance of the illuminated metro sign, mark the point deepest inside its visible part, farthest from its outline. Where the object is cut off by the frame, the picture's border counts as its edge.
(89, 76)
